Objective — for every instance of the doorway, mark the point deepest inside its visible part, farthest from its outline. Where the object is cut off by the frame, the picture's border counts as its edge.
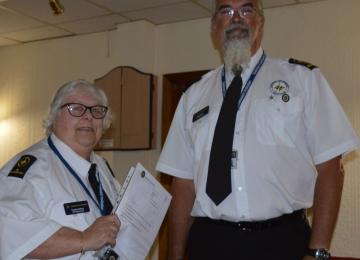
(173, 87)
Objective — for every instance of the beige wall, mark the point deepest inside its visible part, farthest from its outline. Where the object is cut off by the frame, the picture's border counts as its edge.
(324, 33)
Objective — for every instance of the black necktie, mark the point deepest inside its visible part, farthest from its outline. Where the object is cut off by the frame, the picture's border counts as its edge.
(106, 206)
(218, 185)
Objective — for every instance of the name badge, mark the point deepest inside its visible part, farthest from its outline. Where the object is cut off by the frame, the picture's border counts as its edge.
(234, 160)
(76, 207)
(201, 113)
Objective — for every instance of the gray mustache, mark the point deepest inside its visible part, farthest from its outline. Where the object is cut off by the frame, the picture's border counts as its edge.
(232, 27)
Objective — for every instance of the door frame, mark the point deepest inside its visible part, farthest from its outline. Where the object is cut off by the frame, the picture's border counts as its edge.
(173, 87)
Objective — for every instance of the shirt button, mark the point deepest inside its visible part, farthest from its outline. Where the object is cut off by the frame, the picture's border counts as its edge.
(240, 188)
(237, 132)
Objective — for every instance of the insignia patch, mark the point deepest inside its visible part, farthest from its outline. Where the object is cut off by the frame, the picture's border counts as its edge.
(279, 87)
(303, 63)
(285, 98)
(22, 165)
(200, 113)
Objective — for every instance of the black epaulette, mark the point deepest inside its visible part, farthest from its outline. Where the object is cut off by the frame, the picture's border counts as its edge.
(108, 165)
(22, 166)
(303, 63)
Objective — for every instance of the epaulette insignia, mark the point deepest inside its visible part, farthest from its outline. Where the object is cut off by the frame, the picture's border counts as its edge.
(22, 165)
(303, 63)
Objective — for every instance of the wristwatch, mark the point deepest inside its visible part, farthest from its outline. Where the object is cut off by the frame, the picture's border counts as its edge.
(319, 254)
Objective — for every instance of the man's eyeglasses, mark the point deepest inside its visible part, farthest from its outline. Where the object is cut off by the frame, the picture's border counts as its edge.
(78, 110)
(245, 11)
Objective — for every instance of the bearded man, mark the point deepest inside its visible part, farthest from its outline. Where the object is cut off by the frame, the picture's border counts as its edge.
(249, 154)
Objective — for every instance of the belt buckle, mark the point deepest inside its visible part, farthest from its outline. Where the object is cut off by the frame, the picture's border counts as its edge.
(243, 227)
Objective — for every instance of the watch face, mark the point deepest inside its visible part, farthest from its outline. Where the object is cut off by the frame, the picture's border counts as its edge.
(322, 254)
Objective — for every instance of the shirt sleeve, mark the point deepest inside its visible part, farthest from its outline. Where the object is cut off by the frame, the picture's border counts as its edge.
(177, 158)
(23, 226)
(329, 131)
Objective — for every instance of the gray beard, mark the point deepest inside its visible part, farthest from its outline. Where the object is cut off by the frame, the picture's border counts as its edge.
(237, 52)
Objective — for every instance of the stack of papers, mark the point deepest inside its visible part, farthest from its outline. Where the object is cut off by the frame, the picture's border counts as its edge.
(141, 208)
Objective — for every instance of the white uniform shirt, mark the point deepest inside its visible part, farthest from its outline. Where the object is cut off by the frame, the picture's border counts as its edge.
(32, 207)
(289, 121)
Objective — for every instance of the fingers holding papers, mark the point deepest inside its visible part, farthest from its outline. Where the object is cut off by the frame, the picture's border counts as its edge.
(101, 233)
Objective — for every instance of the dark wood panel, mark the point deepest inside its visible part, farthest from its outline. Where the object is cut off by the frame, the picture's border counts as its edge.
(132, 98)
(173, 87)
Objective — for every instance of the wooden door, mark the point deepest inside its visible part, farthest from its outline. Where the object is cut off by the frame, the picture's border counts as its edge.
(136, 103)
(111, 83)
(173, 86)
(132, 97)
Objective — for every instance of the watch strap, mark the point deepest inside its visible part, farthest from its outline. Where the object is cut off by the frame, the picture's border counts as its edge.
(319, 253)
(311, 252)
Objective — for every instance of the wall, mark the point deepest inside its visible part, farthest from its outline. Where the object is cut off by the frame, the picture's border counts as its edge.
(324, 33)
(31, 73)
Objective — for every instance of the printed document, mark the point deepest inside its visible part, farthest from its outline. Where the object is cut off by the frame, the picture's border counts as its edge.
(141, 208)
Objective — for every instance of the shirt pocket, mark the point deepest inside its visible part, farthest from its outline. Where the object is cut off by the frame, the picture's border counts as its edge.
(278, 122)
(201, 132)
(80, 221)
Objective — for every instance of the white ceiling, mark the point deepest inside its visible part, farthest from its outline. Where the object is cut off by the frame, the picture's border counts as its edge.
(24, 21)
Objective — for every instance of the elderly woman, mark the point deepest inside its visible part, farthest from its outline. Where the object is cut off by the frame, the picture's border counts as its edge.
(56, 196)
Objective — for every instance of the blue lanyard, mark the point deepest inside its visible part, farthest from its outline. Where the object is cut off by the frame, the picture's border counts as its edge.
(76, 176)
(249, 81)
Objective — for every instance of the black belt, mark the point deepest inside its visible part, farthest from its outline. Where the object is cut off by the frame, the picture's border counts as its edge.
(258, 225)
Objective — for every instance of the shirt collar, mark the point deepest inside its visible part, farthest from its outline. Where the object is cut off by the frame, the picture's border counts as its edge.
(76, 162)
(247, 71)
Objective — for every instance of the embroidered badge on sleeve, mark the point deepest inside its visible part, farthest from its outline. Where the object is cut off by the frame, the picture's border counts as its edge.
(22, 166)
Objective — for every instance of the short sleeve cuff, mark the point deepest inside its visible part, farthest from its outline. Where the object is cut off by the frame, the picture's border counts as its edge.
(35, 241)
(173, 172)
(338, 150)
